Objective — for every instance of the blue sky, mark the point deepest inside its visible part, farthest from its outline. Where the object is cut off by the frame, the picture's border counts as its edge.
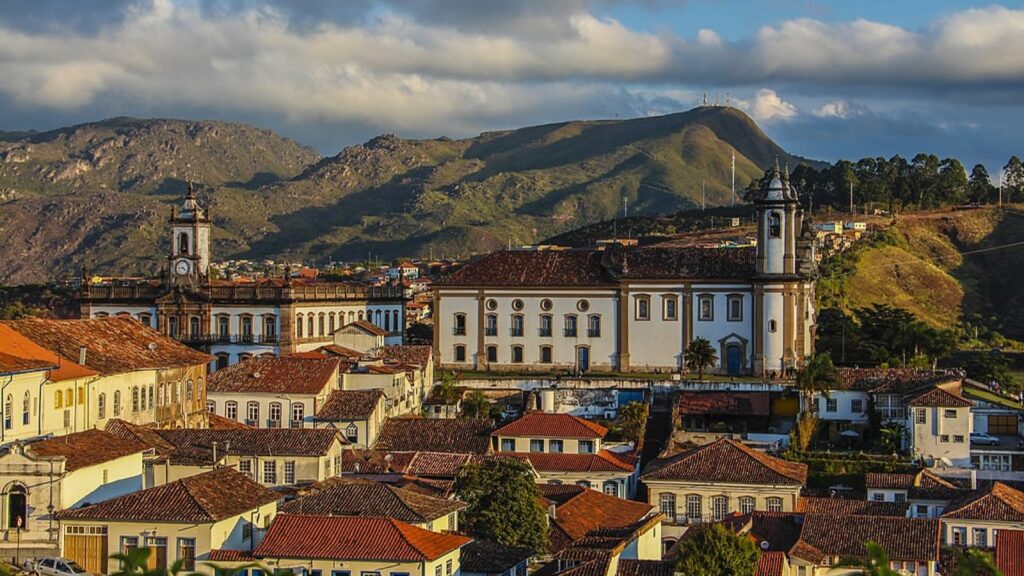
(826, 79)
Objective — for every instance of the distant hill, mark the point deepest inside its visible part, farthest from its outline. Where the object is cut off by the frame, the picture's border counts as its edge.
(98, 192)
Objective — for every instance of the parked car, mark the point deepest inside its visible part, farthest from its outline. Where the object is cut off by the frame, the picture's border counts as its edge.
(49, 566)
(984, 439)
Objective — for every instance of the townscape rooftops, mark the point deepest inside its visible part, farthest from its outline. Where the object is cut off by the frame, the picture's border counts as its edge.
(412, 463)
(207, 497)
(454, 435)
(924, 485)
(485, 557)
(592, 510)
(278, 375)
(113, 345)
(727, 461)
(354, 538)
(940, 398)
(770, 563)
(195, 446)
(20, 354)
(601, 461)
(148, 436)
(418, 355)
(218, 422)
(731, 403)
(848, 507)
(601, 267)
(547, 425)
(894, 380)
(343, 405)
(365, 326)
(1010, 552)
(87, 448)
(997, 502)
(824, 535)
(645, 568)
(775, 531)
(353, 497)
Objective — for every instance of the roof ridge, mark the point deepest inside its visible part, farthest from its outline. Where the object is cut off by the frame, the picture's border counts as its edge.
(394, 490)
(401, 528)
(188, 490)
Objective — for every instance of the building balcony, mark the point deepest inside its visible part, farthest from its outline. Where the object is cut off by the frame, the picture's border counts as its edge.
(570, 332)
(544, 332)
(296, 424)
(273, 423)
(252, 423)
(516, 333)
(594, 333)
(459, 331)
(490, 331)
(195, 339)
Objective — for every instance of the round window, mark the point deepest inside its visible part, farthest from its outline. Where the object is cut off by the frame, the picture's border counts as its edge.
(492, 304)
(583, 305)
(517, 305)
(545, 304)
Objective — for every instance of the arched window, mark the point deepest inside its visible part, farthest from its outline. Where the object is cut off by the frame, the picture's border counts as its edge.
(321, 324)
(183, 243)
(298, 414)
(330, 324)
(694, 507)
(352, 433)
(387, 322)
(26, 407)
(8, 412)
(17, 507)
(378, 323)
(57, 397)
(360, 315)
(611, 488)
(460, 353)
(298, 326)
(188, 389)
(774, 225)
(222, 361)
(746, 504)
(231, 409)
(351, 316)
(719, 508)
(135, 398)
(774, 504)
(211, 406)
(395, 323)
(151, 396)
(309, 325)
(275, 415)
(101, 406)
(117, 403)
(252, 413)
(667, 505)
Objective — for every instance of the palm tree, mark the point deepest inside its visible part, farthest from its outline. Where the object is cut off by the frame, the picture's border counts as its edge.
(818, 375)
(700, 355)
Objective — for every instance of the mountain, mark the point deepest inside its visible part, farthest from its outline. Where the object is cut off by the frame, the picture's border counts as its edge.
(98, 193)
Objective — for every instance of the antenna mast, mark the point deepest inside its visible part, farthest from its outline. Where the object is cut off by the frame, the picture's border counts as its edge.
(702, 195)
(734, 177)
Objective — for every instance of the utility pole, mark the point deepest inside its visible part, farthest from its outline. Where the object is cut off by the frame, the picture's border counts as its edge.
(703, 195)
(734, 177)
(625, 207)
(1000, 189)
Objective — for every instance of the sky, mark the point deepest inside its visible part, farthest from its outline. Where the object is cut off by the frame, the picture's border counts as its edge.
(825, 79)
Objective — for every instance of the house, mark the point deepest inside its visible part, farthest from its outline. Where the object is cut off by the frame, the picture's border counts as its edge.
(358, 414)
(45, 476)
(939, 427)
(1003, 417)
(362, 335)
(974, 518)
(927, 493)
(272, 457)
(458, 436)
(1010, 552)
(484, 558)
(235, 320)
(181, 520)
(704, 417)
(404, 269)
(108, 368)
(850, 507)
(358, 545)
(710, 482)
(431, 473)
(637, 308)
(339, 496)
(911, 544)
(274, 392)
(576, 514)
(567, 449)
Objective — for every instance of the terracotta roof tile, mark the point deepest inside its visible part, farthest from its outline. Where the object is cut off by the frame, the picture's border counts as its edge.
(779, 530)
(732, 403)
(284, 375)
(345, 405)
(218, 422)
(218, 555)
(194, 446)
(924, 485)
(1010, 552)
(20, 354)
(894, 380)
(848, 507)
(997, 502)
(406, 354)
(592, 510)
(770, 564)
(484, 557)
(844, 536)
(602, 461)
(87, 448)
(354, 538)
(726, 460)
(113, 345)
(645, 568)
(461, 435)
(534, 424)
(350, 497)
(147, 435)
(203, 498)
(941, 398)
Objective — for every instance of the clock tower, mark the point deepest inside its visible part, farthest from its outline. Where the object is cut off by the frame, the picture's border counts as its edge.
(189, 260)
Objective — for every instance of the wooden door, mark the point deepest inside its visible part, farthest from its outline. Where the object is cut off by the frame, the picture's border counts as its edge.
(89, 550)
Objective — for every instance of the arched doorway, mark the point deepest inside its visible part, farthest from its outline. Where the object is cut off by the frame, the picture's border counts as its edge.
(17, 507)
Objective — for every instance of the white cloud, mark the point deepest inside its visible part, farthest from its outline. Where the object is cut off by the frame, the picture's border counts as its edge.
(841, 109)
(769, 106)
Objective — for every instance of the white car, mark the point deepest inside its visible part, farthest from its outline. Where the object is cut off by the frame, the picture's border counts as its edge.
(57, 567)
(984, 439)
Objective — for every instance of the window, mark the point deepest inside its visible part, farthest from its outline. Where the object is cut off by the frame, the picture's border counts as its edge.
(719, 507)
(921, 511)
(831, 405)
(920, 416)
(948, 413)
(536, 445)
(252, 412)
(172, 326)
(694, 507)
(545, 354)
(327, 466)
(340, 573)
(774, 225)
(899, 497)
(857, 406)
(309, 326)
(117, 403)
(129, 544)
(270, 472)
(9, 412)
(545, 304)
(245, 467)
(705, 307)
(146, 319)
(193, 327)
(187, 553)
(746, 504)
(545, 325)
(460, 324)
(772, 326)
(491, 304)
(222, 361)
(289, 472)
(298, 413)
(274, 421)
(611, 488)
(586, 446)
(570, 325)
(352, 433)
(57, 399)
(643, 308)
(517, 354)
(448, 567)
(438, 570)
(517, 325)
(517, 305)
(321, 328)
(554, 446)
(135, 399)
(298, 326)
(330, 324)
(667, 505)
(81, 394)
(460, 353)
(959, 534)
(980, 537)
(231, 409)
(158, 552)
(878, 497)
(734, 308)
(492, 353)
(774, 504)
(270, 328)
(183, 243)
(958, 438)
(583, 483)
(508, 444)
(150, 396)
(491, 325)
(594, 326)
(944, 438)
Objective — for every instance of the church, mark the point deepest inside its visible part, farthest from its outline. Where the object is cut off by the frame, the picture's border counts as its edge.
(637, 308)
(234, 319)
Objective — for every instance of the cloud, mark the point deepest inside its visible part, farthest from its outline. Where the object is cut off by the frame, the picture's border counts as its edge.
(840, 109)
(769, 106)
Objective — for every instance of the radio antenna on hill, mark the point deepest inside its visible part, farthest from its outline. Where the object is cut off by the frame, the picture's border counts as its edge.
(625, 207)
(734, 177)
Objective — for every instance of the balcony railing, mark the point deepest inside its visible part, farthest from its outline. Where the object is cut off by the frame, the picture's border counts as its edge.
(594, 332)
(545, 332)
(459, 331)
(249, 422)
(296, 424)
(273, 423)
(516, 332)
(227, 338)
(570, 332)
(490, 331)
(242, 292)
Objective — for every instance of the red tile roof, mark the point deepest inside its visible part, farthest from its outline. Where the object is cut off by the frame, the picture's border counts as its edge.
(354, 538)
(775, 531)
(203, 498)
(113, 345)
(406, 354)
(924, 485)
(231, 556)
(602, 461)
(218, 422)
(996, 502)
(732, 403)
(454, 435)
(431, 464)
(368, 327)
(545, 424)
(847, 507)
(894, 380)
(645, 568)
(20, 354)
(590, 510)
(770, 563)
(844, 536)
(483, 557)
(727, 461)
(284, 375)
(87, 448)
(941, 398)
(145, 434)
(353, 497)
(1010, 552)
(195, 446)
(345, 405)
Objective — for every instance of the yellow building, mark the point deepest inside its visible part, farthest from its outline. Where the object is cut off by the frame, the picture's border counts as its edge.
(181, 520)
(350, 546)
(46, 476)
(974, 518)
(710, 482)
(358, 414)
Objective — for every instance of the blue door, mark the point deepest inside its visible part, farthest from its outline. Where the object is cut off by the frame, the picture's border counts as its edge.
(583, 359)
(732, 360)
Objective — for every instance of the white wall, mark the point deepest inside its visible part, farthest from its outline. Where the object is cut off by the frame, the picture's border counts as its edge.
(844, 402)
(720, 326)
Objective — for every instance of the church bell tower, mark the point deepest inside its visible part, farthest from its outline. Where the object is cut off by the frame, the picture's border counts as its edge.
(189, 260)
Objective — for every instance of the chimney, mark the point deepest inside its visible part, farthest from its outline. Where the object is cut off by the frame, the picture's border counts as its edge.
(553, 512)
(81, 355)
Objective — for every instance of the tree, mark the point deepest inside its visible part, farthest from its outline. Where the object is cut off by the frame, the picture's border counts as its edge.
(979, 185)
(419, 333)
(447, 391)
(503, 503)
(875, 563)
(476, 405)
(974, 562)
(700, 355)
(1013, 180)
(633, 420)
(717, 551)
(818, 375)
(991, 366)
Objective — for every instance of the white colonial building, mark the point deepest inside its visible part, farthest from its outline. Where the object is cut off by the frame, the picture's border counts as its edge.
(637, 308)
(238, 319)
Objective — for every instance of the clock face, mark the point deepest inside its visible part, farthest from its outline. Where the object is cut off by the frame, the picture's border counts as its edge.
(181, 267)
